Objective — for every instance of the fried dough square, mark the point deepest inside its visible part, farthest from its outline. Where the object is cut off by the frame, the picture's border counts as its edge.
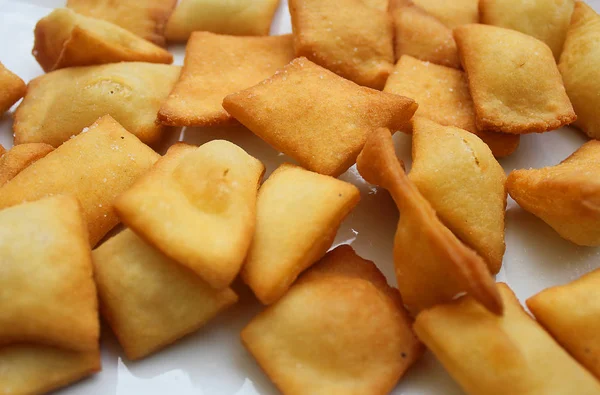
(298, 215)
(316, 117)
(443, 96)
(149, 300)
(61, 103)
(198, 206)
(19, 157)
(432, 264)
(145, 18)
(95, 167)
(48, 293)
(339, 330)
(12, 88)
(580, 68)
(514, 81)
(571, 313)
(452, 13)
(235, 17)
(235, 63)
(565, 196)
(499, 355)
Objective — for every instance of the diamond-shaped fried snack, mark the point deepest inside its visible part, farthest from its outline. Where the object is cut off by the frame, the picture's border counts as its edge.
(452, 13)
(12, 88)
(19, 157)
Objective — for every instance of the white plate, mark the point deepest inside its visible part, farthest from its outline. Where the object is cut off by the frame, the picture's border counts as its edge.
(212, 361)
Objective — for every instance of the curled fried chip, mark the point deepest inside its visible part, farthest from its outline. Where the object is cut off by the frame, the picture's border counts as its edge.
(235, 17)
(66, 39)
(340, 330)
(443, 96)
(513, 79)
(12, 88)
(58, 105)
(432, 265)
(498, 355)
(149, 300)
(198, 206)
(94, 167)
(580, 68)
(326, 33)
(48, 293)
(571, 313)
(19, 157)
(298, 215)
(235, 63)
(452, 13)
(145, 18)
(565, 196)
(293, 111)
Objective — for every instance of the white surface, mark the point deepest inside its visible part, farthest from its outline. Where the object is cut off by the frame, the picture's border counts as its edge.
(212, 361)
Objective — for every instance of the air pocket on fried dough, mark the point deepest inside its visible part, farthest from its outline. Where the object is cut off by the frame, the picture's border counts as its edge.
(19, 157)
(198, 206)
(12, 88)
(432, 265)
(452, 13)
(316, 117)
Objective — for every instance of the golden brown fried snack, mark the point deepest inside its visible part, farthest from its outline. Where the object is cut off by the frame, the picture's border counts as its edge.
(298, 215)
(145, 18)
(61, 103)
(235, 63)
(48, 293)
(326, 32)
(498, 355)
(546, 20)
(452, 13)
(149, 300)
(316, 117)
(198, 206)
(19, 157)
(432, 265)
(565, 196)
(66, 39)
(94, 167)
(2, 150)
(513, 79)
(235, 17)
(12, 88)
(340, 330)
(457, 173)
(580, 68)
(443, 96)
(571, 313)
(35, 369)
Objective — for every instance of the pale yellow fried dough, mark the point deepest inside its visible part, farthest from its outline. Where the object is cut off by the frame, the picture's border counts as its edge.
(316, 117)
(149, 300)
(145, 18)
(95, 167)
(66, 39)
(298, 215)
(443, 96)
(513, 79)
(35, 369)
(571, 313)
(452, 13)
(327, 33)
(432, 265)
(499, 355)
(422, 35)
(334, 333)
(457, 173)
(48, 293)
(198, 206)
(580, 68)
(19, 157)
(12, 88)
(565, 196)
(235, 17)
(58, 105)
(235, 63)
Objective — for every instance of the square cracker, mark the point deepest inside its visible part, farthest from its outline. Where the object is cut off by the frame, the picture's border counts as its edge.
(48, 294)
(443, 96)
(235, 63)
(19, 157)
(316, 117)
(12, 88)
(452, 13)
(198, 206)
(352, 38)
(148, 299)
(514, 81)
